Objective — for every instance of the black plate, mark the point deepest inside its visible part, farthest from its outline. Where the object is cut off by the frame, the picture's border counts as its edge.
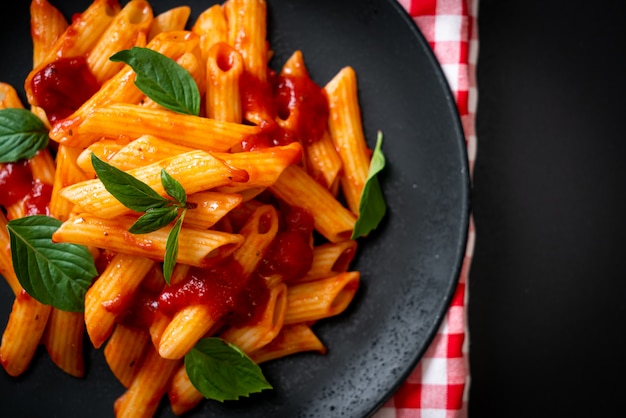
(409, 266)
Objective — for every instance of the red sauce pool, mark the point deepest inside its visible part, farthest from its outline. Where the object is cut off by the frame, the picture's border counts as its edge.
(62, 86)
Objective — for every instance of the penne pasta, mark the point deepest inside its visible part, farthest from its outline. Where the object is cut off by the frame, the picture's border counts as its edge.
(174, 19)
(142, 397)
(128, 121)
(26, 325)
(330, 258)
(292, 339)
(47, 24)
(63, 340)
(124, 352)
(197, 247)
(127, 27)
(297, 188)
(346, 131)
(111, 293)
(268, 177)
(224, 71)
(212, 27)
(311, 301)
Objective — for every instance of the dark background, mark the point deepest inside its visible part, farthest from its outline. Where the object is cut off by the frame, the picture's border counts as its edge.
(547, 294)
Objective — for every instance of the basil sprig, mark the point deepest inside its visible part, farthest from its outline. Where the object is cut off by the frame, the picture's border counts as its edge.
(162, 79)
(158, 210)
(56, 274)
(221, 371)
(22, 134)
(372, 207)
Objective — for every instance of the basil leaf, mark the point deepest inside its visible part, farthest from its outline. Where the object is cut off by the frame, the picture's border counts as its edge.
(22, 134)
(372, 207)
(154, 219)
(171, 248)
(132, 193)
(162, 79)
(56, 274)
(221, 371)
(173, 188)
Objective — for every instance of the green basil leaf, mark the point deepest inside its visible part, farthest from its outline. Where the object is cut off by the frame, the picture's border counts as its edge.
(22, 134)
(56, 274)
(153, 219)
(372, 207)
(221, 371)
(173, 188)
(171, 248)
(162, 79)
(132, 193)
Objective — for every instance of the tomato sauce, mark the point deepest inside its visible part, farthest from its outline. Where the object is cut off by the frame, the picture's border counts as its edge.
(291, 253)
(17, 184)
(297, 98)
(216, 287)
(62, 86)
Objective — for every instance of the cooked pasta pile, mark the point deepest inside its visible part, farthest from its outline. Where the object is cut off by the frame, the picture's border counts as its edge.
(273, 167)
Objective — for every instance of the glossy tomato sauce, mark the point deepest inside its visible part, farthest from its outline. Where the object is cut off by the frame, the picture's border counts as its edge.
(293, 97)
(62, 86)
(17, 184)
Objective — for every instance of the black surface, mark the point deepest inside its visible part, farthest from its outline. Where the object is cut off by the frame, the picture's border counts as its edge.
(409, 266)
(547, 286)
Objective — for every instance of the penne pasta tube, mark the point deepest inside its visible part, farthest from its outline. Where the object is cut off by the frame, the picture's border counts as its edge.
(251, 337)
(264, 166)
(185, 329)
(174, 19)
(106, 299)
(146, 149)
(311, 301)
(6, 262)
(142, 397)
(42, 167)
(67, 173)
(329, 259)
(331, 219)
(63, 340)
(247, 33)
(323, 163)
(292, 339)
(224, 69)
(9, 98)
(133, 21)
(346, 131)
(47, 24)
(182, 394)
(128, 121)
(124, 352)
(209, 208)
(26, 325)
(212, 28)
(200, 248)
(196, 171)
(105, 149)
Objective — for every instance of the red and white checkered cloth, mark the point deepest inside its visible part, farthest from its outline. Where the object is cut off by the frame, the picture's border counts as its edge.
(438, 387)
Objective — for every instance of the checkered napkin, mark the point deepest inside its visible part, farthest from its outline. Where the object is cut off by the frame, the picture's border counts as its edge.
(438, 386)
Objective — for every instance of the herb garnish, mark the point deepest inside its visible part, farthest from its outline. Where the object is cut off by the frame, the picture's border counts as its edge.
(162, 79)
(56, 274)
(221, 371)
(372, 207)
(158, 210)
(22, 134)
